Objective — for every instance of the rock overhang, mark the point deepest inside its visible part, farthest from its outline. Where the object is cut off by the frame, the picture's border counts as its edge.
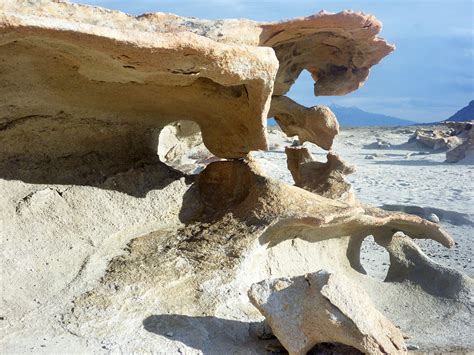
(122, 76)
(76, 62)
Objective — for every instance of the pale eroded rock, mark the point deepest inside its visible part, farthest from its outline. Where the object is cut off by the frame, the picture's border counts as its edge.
(329, 308)
(435, 139)
(180, 145)
(337, 49)
(114, 78)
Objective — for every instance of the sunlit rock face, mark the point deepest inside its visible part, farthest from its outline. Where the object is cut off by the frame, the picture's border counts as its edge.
(108, 248)
(102, 80)
(325, 313)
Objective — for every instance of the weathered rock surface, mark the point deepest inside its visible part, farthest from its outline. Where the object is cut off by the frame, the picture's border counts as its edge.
(455, 138)
(188, 267)
(339, 61)
(464, 151)
(112, 78)
(176, 139)
(330, 308)
(317, 124)
(337, 49)
(180, 145)
(379, 144)
(217, 74)
(435, 139)
(325, 179)
(108, 249)
(248, 228)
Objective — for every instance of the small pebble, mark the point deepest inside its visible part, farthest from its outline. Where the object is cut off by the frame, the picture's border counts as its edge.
(170, 334)
(412, 347)
(433, 218)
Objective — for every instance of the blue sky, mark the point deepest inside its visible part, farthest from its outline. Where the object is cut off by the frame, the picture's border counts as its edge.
(428, 78)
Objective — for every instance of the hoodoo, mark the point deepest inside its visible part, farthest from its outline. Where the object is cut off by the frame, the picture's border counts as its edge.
(105, 248)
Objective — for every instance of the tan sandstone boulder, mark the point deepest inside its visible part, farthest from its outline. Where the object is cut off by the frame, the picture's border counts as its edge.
(317, 124)
(325, 179)
(113, 78)
(329, 308)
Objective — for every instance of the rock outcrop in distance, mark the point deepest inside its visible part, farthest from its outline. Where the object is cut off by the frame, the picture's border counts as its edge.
(463, 152)
(108, 249)
(456, 140)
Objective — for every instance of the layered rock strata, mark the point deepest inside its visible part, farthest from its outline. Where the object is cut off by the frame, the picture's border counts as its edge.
(131, 75)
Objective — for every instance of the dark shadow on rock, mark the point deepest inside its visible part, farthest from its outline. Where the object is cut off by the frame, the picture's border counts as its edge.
(452, 217)
(135, 178)
(192, 209)
(333, 349)
(211, 335)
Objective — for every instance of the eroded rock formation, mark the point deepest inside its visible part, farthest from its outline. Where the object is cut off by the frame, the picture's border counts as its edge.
(325, 179)
(317, 124)
(133, 75)
(435, 139)
(245, 228)
(330, 309)
(464, 151)
(112, 78)
(456, 139)
(180, 145)
(98, 230)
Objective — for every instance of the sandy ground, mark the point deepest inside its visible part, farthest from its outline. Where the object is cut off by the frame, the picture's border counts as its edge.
(413, 180)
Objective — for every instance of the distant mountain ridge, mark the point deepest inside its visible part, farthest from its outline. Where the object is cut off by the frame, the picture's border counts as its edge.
(355, 117)
(464, 114)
